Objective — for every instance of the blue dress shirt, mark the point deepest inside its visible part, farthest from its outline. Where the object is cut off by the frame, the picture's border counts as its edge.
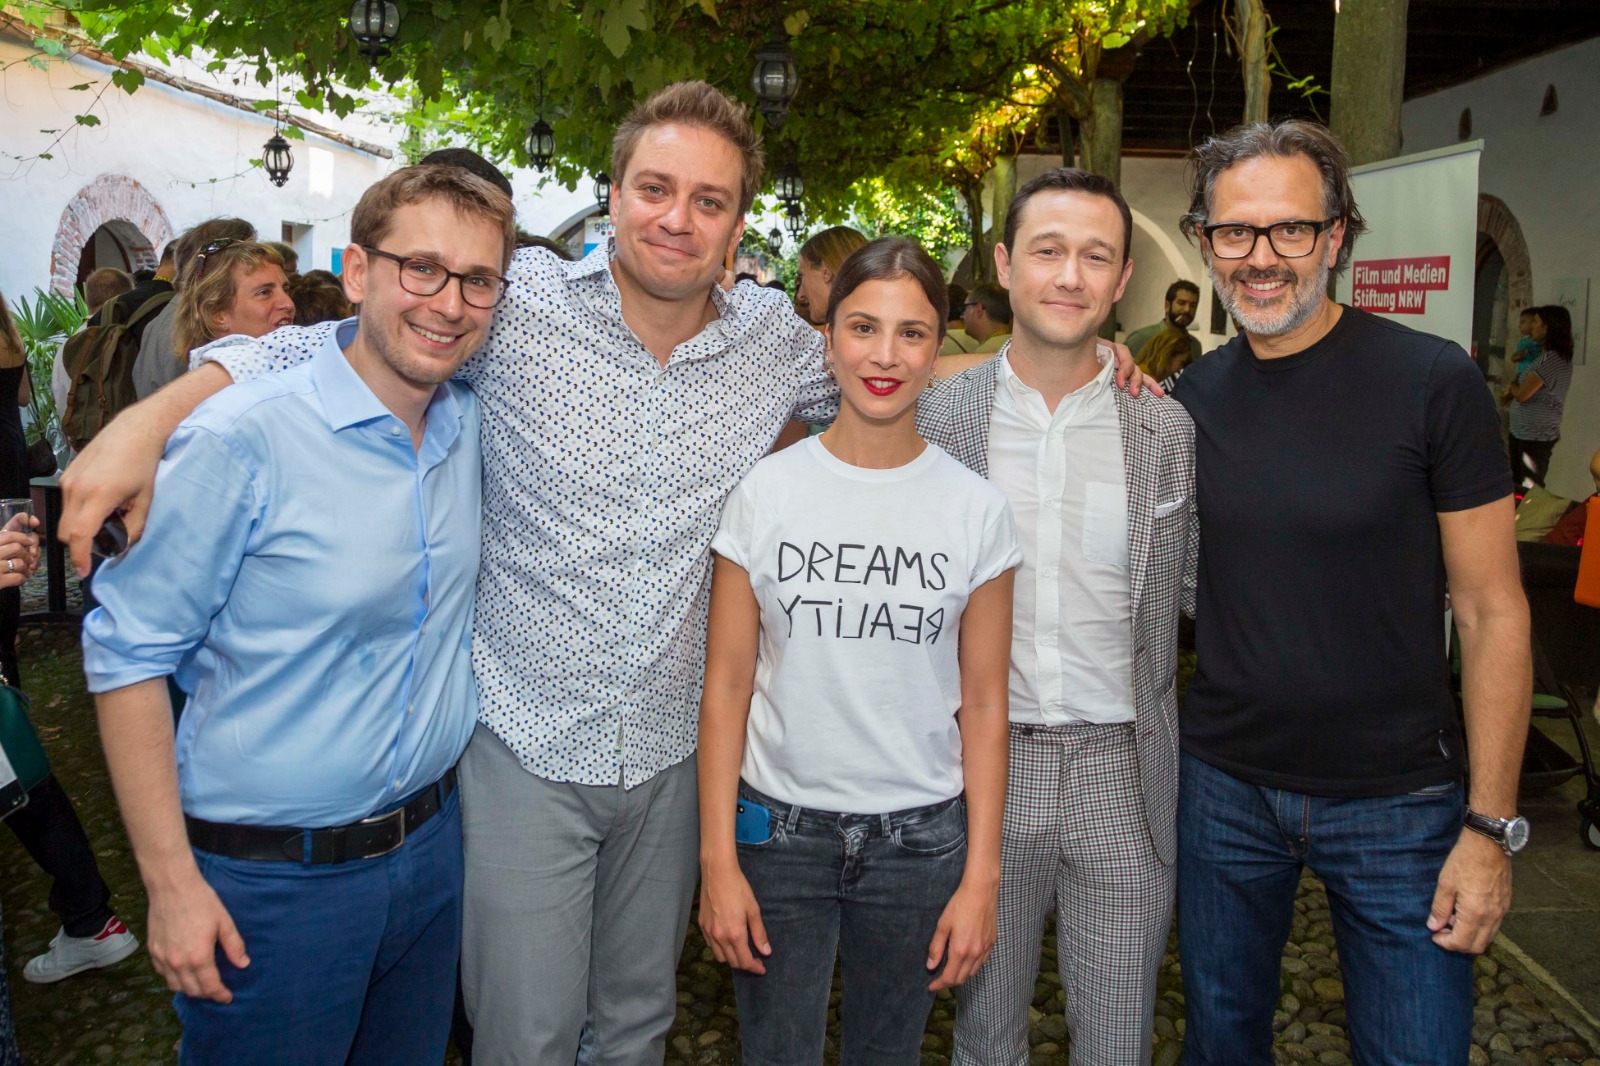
(309, 576)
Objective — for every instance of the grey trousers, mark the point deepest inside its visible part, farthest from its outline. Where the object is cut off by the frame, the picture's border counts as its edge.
(1075, 841)
(577, 902)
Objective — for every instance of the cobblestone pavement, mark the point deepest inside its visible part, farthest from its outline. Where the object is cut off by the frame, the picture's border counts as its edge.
(123, 1015)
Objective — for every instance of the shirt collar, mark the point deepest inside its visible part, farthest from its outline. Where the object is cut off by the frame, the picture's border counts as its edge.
(348, 401)
(1090, 389)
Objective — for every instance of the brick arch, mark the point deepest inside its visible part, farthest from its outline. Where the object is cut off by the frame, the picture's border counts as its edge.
(120, 202)
(1496, 222)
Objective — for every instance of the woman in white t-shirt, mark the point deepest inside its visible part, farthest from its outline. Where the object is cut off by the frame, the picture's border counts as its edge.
(855, 692)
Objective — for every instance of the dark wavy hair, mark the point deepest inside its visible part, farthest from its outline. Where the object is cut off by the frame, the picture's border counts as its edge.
(1280, 140)
(886, 259)
(1557, 329)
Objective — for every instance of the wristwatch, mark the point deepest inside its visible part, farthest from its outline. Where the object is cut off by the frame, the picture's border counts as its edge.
(1510, 833)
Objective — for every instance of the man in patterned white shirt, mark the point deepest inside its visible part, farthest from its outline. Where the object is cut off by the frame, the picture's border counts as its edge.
(623, 397)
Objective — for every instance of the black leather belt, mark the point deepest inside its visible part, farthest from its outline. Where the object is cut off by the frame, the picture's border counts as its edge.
(366, 839)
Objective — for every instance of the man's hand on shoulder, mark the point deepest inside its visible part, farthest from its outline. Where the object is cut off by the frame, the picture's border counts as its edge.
(1128, 375)
(116, 472)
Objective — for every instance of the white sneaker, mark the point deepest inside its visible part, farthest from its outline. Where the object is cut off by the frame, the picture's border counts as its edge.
(74, 954)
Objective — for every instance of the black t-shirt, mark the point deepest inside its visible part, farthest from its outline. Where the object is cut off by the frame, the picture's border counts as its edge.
(1320, 622)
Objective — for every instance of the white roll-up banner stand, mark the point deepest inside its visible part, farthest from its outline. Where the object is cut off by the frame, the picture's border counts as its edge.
(1415, 264)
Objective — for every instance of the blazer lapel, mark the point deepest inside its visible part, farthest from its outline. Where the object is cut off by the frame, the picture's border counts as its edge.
(1141, 468)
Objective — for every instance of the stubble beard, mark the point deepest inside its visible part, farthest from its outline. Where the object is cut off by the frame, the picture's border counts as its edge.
(1305, 296)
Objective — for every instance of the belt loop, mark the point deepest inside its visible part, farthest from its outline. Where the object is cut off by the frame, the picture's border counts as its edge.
(305, 848)
(888, 827)
(794, 817)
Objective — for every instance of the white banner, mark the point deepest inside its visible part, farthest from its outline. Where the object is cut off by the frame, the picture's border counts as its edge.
(1415, 264)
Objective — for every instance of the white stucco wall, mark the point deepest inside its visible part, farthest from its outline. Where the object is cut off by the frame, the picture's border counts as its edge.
(171, 143)
(1545, 170)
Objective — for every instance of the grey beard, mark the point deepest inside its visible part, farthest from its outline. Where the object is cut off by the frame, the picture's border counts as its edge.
(1304, 300)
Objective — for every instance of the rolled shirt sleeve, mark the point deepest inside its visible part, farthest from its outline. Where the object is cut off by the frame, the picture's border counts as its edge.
(205, 509)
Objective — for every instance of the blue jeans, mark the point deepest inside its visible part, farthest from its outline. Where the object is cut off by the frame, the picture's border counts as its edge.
(867, 889)
(349, 963)
(1240, 850)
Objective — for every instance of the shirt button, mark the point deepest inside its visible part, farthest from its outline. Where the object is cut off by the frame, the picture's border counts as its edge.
(394, 431)
(397, 782)
(411, 708)
(1048, 571)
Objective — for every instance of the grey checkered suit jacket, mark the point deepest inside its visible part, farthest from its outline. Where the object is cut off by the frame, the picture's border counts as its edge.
(1163, 547)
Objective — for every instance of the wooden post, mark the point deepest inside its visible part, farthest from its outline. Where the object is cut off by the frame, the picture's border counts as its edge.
(1069, 151)
(1251, 17)
(1369, 74)
(1102, 130)
(982, 264)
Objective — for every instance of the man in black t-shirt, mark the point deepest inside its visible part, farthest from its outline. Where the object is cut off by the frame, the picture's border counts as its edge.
(1349, 473)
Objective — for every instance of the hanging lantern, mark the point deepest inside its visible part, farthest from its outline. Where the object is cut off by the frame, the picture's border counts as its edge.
(277, 159)
(541, 145)
(775, 79)
(775, 242)
(795, 221)
(788, 185)
(376, 25)
(602, 193)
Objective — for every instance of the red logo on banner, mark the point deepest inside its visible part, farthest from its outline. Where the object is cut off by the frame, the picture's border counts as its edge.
(1399, 286)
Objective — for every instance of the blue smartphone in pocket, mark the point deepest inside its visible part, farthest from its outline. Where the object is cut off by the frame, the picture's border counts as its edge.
(752, 823)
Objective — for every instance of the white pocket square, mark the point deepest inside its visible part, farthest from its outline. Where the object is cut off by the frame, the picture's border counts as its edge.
(1167, 507)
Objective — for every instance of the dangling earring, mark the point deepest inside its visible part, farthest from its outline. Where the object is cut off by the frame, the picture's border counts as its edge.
(829, 364)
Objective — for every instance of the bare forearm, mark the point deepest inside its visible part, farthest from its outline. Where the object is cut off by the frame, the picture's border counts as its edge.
(163, 409)
(723, 719)
(136, 729)
(1496, 680)
(985, 754)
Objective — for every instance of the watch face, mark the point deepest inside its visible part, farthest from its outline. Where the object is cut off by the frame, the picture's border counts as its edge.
(1517, 834)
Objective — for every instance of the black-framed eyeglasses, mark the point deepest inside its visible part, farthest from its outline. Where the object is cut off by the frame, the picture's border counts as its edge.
(210, 250)
(424, 277)
(1291, 239)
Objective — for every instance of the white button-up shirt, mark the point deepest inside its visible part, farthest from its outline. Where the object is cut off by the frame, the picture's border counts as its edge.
(1071, 654)
(604, 477)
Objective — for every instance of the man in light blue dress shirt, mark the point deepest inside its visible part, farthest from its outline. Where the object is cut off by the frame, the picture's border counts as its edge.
(308, 572)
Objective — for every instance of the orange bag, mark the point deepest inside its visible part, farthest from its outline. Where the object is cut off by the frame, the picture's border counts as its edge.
(1588, 590)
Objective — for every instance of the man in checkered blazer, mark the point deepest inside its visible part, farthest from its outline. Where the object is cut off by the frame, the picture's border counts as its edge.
(1102, 485)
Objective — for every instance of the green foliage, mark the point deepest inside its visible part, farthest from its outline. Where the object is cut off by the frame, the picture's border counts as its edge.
(906, 93)
(43, 325)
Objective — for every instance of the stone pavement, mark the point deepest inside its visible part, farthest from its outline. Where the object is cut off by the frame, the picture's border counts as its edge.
(123, 1015)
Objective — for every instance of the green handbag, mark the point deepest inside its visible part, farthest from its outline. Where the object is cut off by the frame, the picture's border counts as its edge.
(18, 738)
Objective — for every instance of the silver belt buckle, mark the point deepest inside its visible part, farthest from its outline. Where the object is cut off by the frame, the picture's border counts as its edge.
(398, 817)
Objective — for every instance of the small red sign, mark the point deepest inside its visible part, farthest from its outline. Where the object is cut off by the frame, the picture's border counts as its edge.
(1398, 286)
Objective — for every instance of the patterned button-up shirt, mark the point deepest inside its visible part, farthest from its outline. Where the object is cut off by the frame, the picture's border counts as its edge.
(604, 476)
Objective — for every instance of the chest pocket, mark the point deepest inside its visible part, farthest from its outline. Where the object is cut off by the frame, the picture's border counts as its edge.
(1105, 524)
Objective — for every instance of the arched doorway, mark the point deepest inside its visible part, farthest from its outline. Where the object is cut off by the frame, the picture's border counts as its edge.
(113, 216)
(1503, 285)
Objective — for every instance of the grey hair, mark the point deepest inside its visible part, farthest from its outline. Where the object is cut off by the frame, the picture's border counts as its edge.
(1282, 140)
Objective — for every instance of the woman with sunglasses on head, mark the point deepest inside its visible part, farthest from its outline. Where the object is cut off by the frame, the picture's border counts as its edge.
(855, 694)
(234, 287)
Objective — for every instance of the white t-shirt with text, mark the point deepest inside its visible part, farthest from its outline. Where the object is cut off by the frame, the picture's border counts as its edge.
(862, 576)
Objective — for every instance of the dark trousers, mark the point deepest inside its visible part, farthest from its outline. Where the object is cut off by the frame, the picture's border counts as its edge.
(350, 965)
(1530, 461)
(867, 890)
(49, 829)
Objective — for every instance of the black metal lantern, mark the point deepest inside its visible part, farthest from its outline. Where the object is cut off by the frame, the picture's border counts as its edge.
(775, 241)
(795, 221)
(788, 185)
(602, 192)
(277, 159)
(775, 79)
(376, 24)
(541, 145)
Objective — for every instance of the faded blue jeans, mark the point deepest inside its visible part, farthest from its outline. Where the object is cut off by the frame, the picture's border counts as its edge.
(1240, 850)
(867, 889)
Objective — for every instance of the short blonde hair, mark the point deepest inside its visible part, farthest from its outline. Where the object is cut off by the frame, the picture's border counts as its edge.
(206, 295)
(832, 247)
(703, 106)
(466, 192)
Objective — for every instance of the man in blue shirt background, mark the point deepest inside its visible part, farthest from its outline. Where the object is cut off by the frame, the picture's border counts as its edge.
(308, 573)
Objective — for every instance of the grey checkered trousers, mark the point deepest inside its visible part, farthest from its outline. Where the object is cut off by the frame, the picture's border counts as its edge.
(1091, 810)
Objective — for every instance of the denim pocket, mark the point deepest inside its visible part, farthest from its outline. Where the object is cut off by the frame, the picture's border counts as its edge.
(1436, 790)
(936, 833)
(775, 835)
